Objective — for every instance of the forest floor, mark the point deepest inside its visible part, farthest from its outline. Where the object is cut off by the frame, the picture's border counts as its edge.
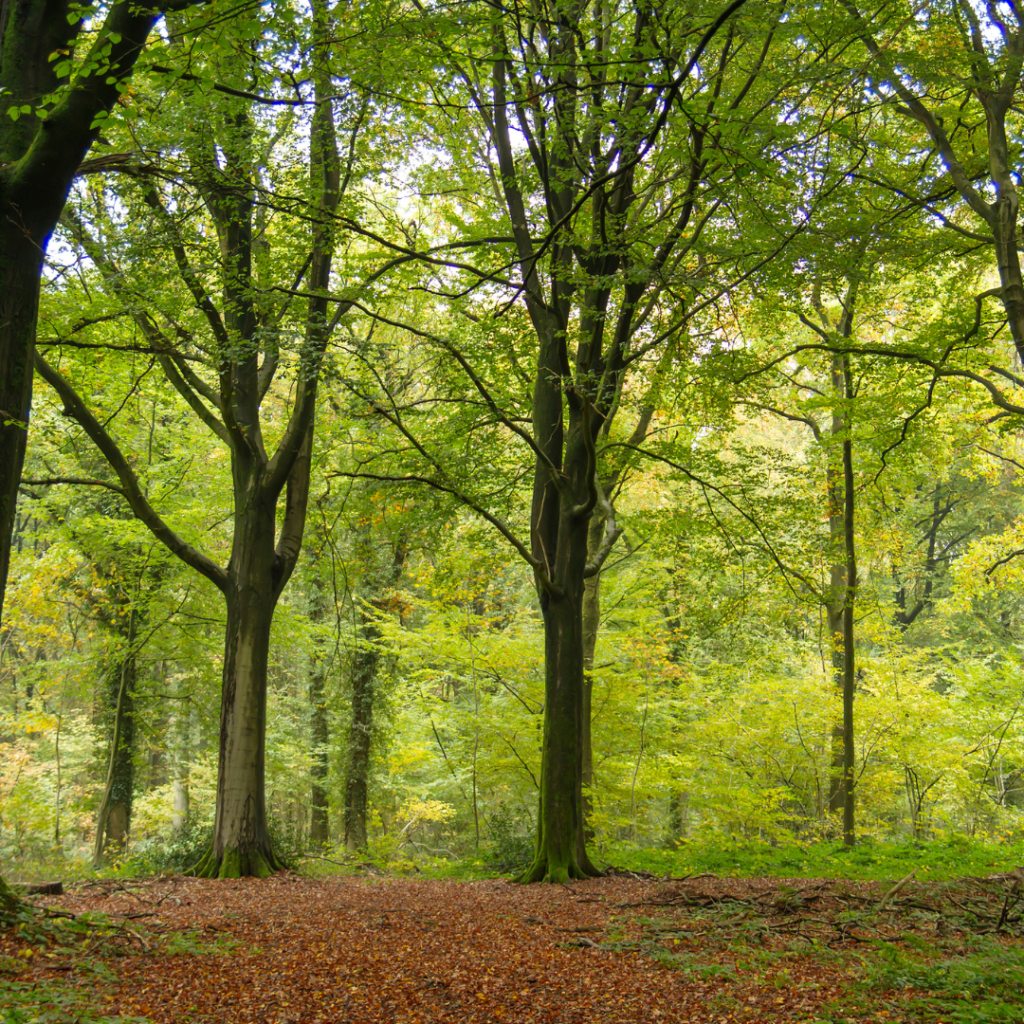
(622, 949)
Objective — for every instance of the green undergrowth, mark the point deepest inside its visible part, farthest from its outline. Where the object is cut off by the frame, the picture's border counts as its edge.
(52, 1003)
(66, 1000)
(78, 948)
(937, 860)
(980, 984)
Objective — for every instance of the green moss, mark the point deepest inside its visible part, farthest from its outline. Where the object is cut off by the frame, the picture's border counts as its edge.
(237, 864)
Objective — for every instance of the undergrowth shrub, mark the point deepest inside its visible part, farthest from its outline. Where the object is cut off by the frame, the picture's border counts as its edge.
(511, 839)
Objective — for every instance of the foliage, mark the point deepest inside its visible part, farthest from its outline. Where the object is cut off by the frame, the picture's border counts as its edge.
(511, 839)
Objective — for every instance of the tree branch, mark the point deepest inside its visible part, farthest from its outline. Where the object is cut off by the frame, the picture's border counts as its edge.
(77, 410)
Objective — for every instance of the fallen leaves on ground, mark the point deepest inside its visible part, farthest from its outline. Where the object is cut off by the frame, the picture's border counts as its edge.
(294, 950)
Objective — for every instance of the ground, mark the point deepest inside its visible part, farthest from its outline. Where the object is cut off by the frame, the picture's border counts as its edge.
(619, 950)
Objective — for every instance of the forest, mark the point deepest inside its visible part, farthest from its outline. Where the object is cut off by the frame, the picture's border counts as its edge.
(534, 438)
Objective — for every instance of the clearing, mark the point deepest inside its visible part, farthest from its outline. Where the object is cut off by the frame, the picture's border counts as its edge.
(622, 949)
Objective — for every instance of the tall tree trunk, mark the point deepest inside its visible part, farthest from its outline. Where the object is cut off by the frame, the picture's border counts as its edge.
(843, 579)
(319, 818)
(365, 662)
(241, 838)
(849, 667)
(591, 625)
(836, 596)
(561, 846)
(357, 767)
(20, 265)
(113, 822)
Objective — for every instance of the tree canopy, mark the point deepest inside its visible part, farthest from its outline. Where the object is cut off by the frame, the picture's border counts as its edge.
(540, 428)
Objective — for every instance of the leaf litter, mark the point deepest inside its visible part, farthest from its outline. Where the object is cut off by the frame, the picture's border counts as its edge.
(621, 949)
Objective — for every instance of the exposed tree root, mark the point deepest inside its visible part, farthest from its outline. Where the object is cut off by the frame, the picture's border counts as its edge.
(238, 864)
(545, 869)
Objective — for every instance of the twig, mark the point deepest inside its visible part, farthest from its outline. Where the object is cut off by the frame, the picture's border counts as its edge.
(896, 888)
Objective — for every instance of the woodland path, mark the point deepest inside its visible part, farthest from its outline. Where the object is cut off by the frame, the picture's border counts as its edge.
(294, 950)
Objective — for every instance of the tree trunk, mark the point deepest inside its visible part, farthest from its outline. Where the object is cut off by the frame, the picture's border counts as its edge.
(319, 821)
(561, 845)
(834, 620)
(357, 767)
(114, 819)
(319, 817)
(836, 598)
(591, 625)
(20, 265)
(849, 668)
(241, 838)
(560, 820)
(365, 662)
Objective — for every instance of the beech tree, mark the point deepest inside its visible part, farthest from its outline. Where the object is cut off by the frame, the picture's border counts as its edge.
(238, 346)
(606, 203)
